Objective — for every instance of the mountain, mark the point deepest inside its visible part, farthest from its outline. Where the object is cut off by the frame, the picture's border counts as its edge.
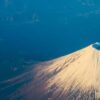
(71, 77)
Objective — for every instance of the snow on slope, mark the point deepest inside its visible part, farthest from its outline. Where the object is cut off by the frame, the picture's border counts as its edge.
(71, 77)
(77, 73)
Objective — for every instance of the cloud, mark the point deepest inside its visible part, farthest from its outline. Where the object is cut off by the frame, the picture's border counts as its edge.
(34, 19)
(87, 14)
(31, 21)
(6, 18)
(87, 2)
(7, 3)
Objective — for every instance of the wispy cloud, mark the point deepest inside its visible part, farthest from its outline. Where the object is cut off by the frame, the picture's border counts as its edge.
(7, 3)
(87, 14)
(87, 2)
(14, 20)
(31, 21)
(34, 19)
(6, 18)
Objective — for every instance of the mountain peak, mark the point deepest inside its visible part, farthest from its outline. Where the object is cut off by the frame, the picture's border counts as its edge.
(96, 46)
(72, 75)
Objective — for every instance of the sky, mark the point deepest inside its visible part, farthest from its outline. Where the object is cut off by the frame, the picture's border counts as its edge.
(43, 30)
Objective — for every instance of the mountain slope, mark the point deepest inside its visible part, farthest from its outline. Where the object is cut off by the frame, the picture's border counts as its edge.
(75, 76)
(71, 77)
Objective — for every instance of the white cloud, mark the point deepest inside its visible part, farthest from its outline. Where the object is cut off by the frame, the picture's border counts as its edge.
(31, 21)
(87, 14)
(34, 19)
(7, 3)
(87, 2)
(6, 18)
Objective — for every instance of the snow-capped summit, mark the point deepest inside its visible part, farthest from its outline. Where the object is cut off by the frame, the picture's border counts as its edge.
(96, 45)
(72, 77)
